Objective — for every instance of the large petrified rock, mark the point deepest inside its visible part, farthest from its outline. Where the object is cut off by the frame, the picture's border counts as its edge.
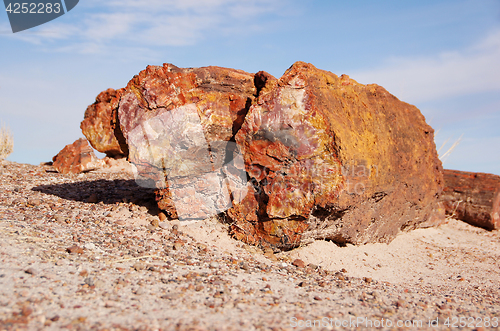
(472, 197)
(76, 158)
(331, 158)
(311, 155)
(100, 124)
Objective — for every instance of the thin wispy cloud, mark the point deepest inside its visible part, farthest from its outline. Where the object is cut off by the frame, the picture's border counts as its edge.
(102, 26)
(458, 72)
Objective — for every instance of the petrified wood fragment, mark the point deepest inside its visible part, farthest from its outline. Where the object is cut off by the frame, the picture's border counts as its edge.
(331, 158)
(178, 124)
(472, 197)
(100, 124)
(76, 158)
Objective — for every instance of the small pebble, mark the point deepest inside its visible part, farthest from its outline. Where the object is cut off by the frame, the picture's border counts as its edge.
(109, 304)
(89, 281)
(26, 311)
(34, 201)
(299, 263)
(202, 247)
(164, 225)
(18, 201)
(59, 218)
(31, 271)
(214, 265)
(41, 319)
(74, 250)
(270, 255)
(178, 244)
(138, 266)
(99, 283)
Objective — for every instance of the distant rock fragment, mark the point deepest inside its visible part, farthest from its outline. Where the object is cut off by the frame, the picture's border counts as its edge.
(76, 158)
(101, 126)
(472, 197)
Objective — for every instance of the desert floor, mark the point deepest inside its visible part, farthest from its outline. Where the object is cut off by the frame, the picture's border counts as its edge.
(79, 252)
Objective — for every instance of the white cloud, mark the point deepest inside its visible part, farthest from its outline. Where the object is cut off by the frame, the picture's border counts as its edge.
(102, 26)
(448, 74)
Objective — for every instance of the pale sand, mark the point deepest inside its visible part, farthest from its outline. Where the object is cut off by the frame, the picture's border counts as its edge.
(432, 256)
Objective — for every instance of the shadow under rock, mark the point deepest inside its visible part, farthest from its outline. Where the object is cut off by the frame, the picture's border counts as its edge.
(107, 191)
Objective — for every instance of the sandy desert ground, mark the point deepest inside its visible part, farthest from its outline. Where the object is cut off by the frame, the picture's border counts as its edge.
(86, 252)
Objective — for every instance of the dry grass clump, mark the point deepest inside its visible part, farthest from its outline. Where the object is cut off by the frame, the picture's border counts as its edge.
(446, 154)
(6, 142)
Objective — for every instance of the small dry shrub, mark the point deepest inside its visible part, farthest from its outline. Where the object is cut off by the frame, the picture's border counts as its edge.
(6, 142)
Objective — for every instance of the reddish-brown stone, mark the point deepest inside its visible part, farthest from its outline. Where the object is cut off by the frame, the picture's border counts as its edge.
(331, 158)
(177, 123)
(472, 197)
(100, 125)
(75, 249)
(76, 157)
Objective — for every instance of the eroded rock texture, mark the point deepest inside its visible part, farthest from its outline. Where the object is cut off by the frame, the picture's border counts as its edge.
(311, 155)
(331, 158)
(179, 124)
(100, 125)
(472, 197)
(76, 158)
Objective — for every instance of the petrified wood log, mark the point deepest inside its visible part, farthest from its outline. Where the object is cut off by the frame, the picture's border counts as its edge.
(472, 197)
(321, 156)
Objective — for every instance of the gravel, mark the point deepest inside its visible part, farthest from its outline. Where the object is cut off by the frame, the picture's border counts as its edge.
(89, 252)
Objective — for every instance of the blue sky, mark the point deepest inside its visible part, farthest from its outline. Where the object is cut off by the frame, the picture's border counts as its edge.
(442, 56)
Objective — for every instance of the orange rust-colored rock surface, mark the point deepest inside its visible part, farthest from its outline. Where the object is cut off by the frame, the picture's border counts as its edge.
(76, 158)
(331, 158)
(472, 197)
(177, 123)
(100, 124)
